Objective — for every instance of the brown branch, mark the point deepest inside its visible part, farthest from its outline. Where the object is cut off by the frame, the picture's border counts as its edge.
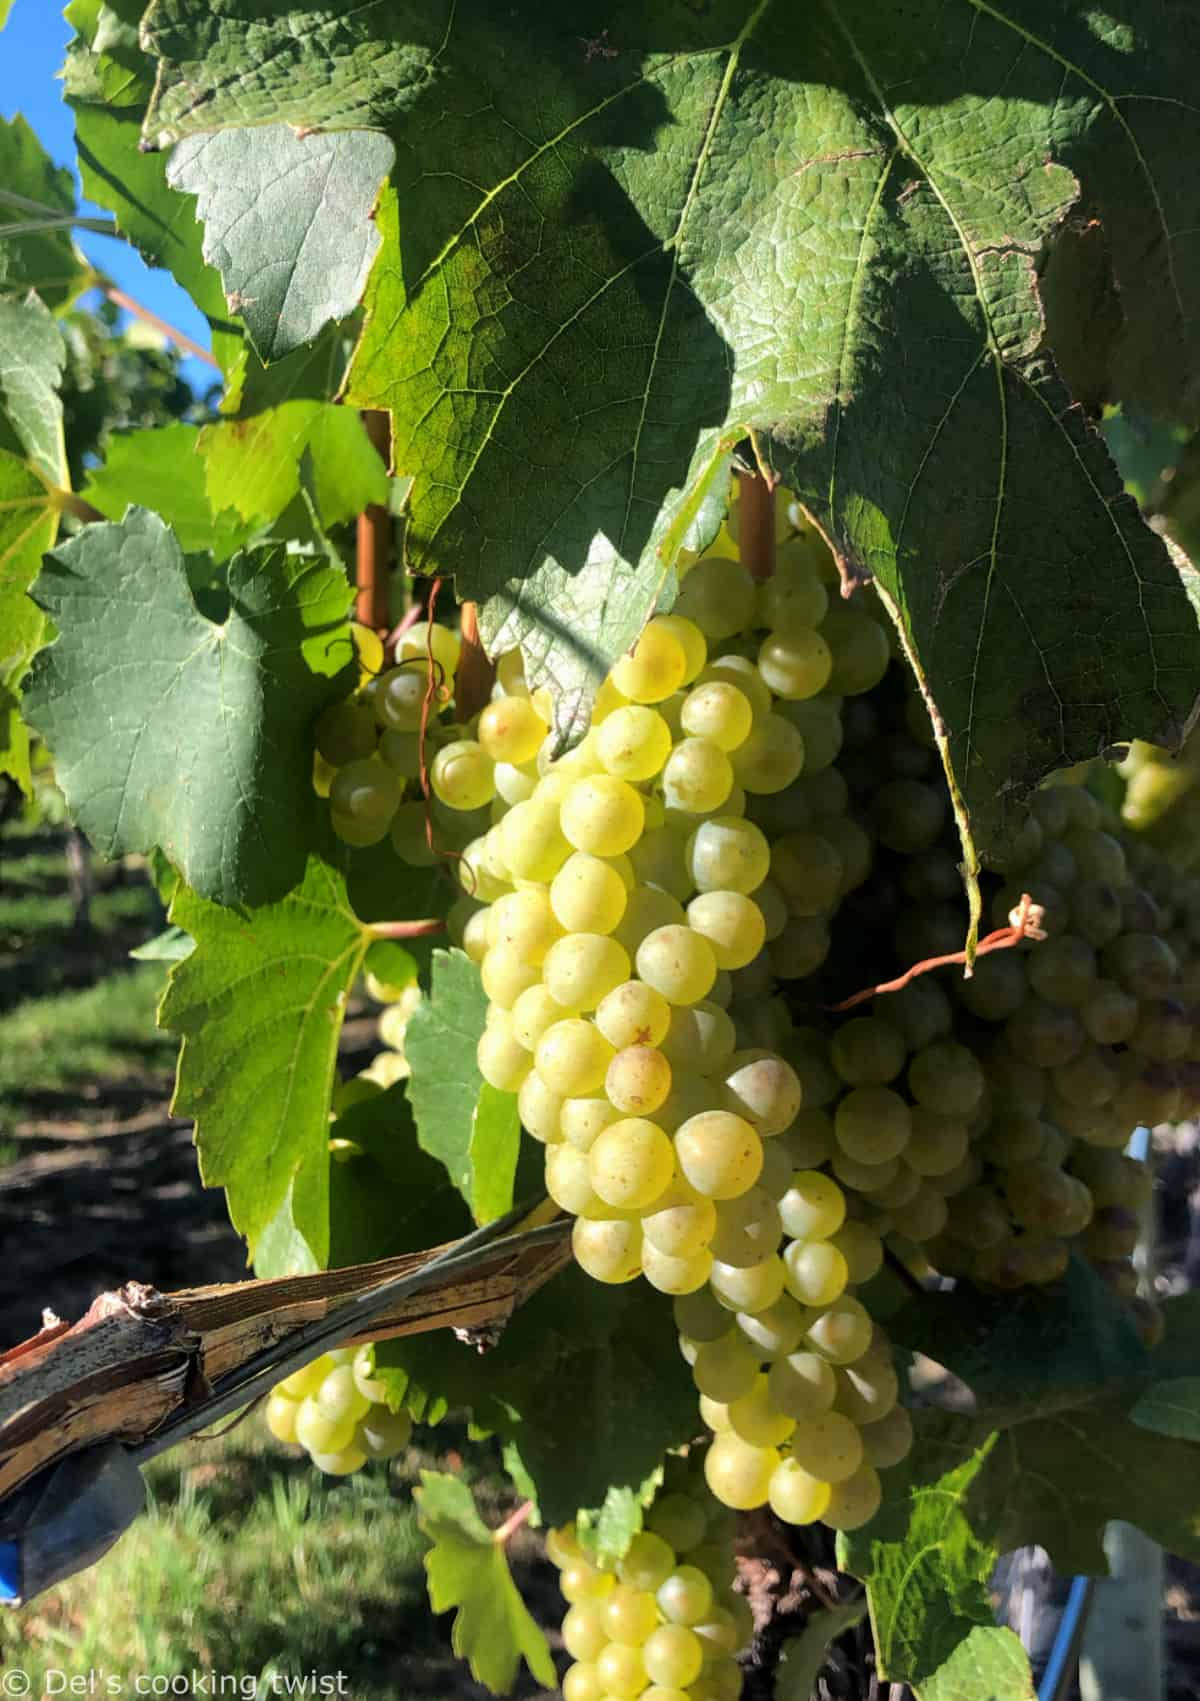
(373, 554)
(160, 325)
(473, 680)
(756, 525)
(1025, 922)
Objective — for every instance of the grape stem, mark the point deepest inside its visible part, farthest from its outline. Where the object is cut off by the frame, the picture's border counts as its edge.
(756, 525)
(374, 540)
(1025, 922)
(513, 1523)
(473, 680)
(406, 929)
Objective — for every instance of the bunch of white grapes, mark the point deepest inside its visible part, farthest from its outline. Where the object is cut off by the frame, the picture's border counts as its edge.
(664, 1623)
(336, 1409)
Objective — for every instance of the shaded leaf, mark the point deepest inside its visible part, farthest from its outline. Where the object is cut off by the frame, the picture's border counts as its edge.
(45, 260)
(259, 1006)
(28, 526)
(287, 222)
(1171, 1408)
(32, 355)
(468, 1571)
(206, 745)
(802, 1658)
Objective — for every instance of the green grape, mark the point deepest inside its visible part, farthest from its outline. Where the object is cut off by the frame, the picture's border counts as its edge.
(859, 648)
(678, 963)
(583, 1631)
(809, 1141)
(733, 925)
(997, 987)
(796, 664)
(724, 1370)
(1044, 1034)
(343, 1463)
(698, 776)
(511, 730)
(888, 1439)
(921, 1011)
(654, 669)
(345, 732)
(424, 639)
(281, 1416)
(681, 1230)
(801, 948)
(868, 1052)
(820, 726)
(630, 1163)
(750, 1287)
(572, 1057)
(908, 815)
(513, 784)
(1092, 1079)
(635, 1014)
(691, 641)
(808, 870)
(461, 775)
(739, 1474)
(855, 1501)
(776, 1330)
(339, 1396)
(584, 1583)
(793, 596)
(533, 1011)
(307, 1379)
(701, 1037)
(719, 1634)
(633, 742)
(719, 712)
(827, 1445)
(607, 1251)
(1163, 1031)
(747, 1229)
(502, 1058)
(1109, 1014)
(587, 895)
(1142, 962)
(1098, 856)
(862, 1249)
(772, 907)
(727, 854)
(568, 1181)
(764, 1089)
(506, 974)
(1042, 1196)
(679, 1520)
(638, 1080)
(873, 1124)
(673, 1656)
(802, 1385)
(686, 1596)
(539, 1109)
(383, 1433)
(366, 793)
(562, 1542)
(700, 1318)
(1063, 970)
(813, 1208)
(690, 1095)
(647, 1564)
(863, 1177)
(815, 1271)
(582, 968)
(319, 1431)
(946, 1078)
(410, 836)
(372, 1387)
(795, 1495)
(771, 758)
(602, 815)
(842, 1332)
(720, 1154)
(898, 1190)
(718, 596)
(868, 1389)
(647, 910)
(531, 839)
(937, 1144)
(630, 1612)
(398, 697)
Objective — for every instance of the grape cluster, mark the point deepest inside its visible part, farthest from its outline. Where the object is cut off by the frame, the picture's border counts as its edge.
(664, 1623)
(336, 1409)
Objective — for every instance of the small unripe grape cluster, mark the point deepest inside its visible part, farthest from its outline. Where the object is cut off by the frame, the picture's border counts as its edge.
(664, 1622)
(336, 1409)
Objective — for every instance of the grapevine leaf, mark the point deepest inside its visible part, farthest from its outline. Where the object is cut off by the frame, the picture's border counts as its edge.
(28, 524)
(612, 263)
(605, 1531)
(566, 1386)
(32, 355)
(171, 730)
(45, 260)
(258, 1006)
(802, 1658)
(172, 945)
(1171, 1408)
(468, 1571)
(469, 1127)
(1046, 1347)
(287, 220)
(162, 469)
(989, 1663)
(14, 740)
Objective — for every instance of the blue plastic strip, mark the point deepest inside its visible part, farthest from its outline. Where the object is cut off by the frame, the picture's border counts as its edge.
(1068, 1625)
(10, 1571)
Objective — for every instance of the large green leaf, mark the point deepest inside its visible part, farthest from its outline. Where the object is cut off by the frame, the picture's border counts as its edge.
(32, 355)
(258, 1005)
(169, 729)
(468, 1571)
(287, 221)
(162, 469)
(468, 1126)
(619, 247)
(45, 259)
(252, 462)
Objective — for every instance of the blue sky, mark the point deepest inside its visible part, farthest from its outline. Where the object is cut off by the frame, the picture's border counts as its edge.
(32, 48)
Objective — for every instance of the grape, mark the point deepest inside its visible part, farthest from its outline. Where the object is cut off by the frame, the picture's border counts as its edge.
(898, 1190)
(802, 1385)
(733, 925)
(607, 1251)
(533, 1011)
(828, 1446)
(808, 871)
(1063, 970)
(584, 1634)
(727, 853)
(862, 1249)
(582, 968)
(602, 815)
(718, 712)
(797, 663)
(868, 1052)
(630, 1613)
(690, 1096)
(630, 1163)
(747, 1228)
(423, 639)
(343, 1463)
(698, 776)
(647, 1563)
(635, 1014)
(816, 1272)
(281, 1416)
(502, 1058)
(1109, 1014)
(873, 1124)
(583, 1583)
(793, 595)
(865, 1178)
(859, 648)
(796, 1496)
(868, 1389)
(307, 1379)
(382, 1433)
(691, 641)
(855, 1501)
(724, 1369)
(1143, 963)
(718, 596)
(506, 974)
(568, 1181)
(908, 815)
(945, 1077)
(531, 839)
(398, 698)
(738, 1473)
(678, 1519)
(540, 1109)
(842, 1332)
(572, 1057)
(764, 1089)
(719, 1153)
(633, 743)
(686, 1596)
(365, 793)
(462, 775)
(809, 1141)
(921, 1011)
(776, 1330)
(646, 910)
(937, 1144)
(750, 1288)
(638, 1080)
(673, 1656)
(409, 834)
(888, 1439)
(345, 732)
(339, 1396)
(680, 1230)
(319, 1431)
(1096, 912)
(511, 730)
(678, 963)
(1163, 1031)
(1044, 1034)
(771, 757)
(700, 1318)
(587, 895)
(701, 1037)
(654, 668)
